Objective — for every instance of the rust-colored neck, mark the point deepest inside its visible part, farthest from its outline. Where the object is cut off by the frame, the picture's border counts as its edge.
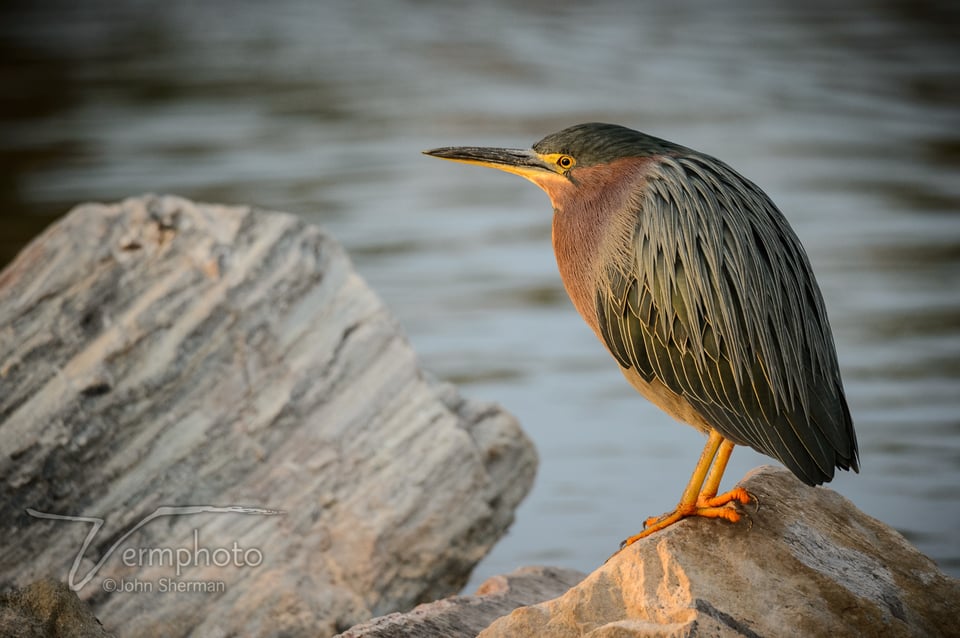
(594, 221)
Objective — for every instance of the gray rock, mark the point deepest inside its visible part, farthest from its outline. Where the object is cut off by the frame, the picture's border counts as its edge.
(160, 353)
(808, 563)
(47, 609)
(466, 616)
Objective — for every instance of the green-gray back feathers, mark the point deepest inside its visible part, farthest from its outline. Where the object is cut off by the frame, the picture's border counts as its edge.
(717, 300)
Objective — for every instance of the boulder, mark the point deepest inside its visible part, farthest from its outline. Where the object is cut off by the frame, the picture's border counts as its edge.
(807, 563)
(466, 616)
(210, 425)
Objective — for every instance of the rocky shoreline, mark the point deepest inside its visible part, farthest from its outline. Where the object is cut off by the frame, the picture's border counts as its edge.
(225, 370)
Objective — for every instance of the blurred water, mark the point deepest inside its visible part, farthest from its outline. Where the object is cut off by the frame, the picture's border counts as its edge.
(848, 118)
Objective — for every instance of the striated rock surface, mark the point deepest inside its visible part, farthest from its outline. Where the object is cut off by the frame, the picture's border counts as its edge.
(466, 616)
(810, 565)
(157, 354)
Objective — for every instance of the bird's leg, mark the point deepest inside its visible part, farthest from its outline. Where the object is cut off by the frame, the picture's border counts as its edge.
(688, 501)
(700, 496)
(708, 495)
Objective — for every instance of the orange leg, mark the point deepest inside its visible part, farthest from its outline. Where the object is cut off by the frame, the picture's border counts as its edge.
(700, 496)
(708, 495)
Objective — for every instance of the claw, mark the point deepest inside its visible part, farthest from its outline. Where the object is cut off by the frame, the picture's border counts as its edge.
(756, 501)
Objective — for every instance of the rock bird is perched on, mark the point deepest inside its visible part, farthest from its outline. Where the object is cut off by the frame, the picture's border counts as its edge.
(701, 291)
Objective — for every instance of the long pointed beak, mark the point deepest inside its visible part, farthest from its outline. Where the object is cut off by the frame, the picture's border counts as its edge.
(525, 163)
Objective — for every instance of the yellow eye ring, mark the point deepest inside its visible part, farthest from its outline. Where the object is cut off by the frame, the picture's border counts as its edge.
(565, 162)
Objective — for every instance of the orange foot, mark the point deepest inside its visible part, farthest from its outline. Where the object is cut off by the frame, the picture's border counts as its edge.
(706, 506)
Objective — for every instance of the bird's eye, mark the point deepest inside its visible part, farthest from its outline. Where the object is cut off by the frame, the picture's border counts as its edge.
(565, 162)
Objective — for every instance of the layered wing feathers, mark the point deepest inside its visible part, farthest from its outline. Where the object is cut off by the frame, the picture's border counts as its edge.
(716, 299)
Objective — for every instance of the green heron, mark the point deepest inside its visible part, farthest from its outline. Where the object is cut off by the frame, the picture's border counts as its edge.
(698, 287)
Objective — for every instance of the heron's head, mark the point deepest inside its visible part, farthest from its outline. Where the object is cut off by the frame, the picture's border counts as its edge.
(568, 162)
